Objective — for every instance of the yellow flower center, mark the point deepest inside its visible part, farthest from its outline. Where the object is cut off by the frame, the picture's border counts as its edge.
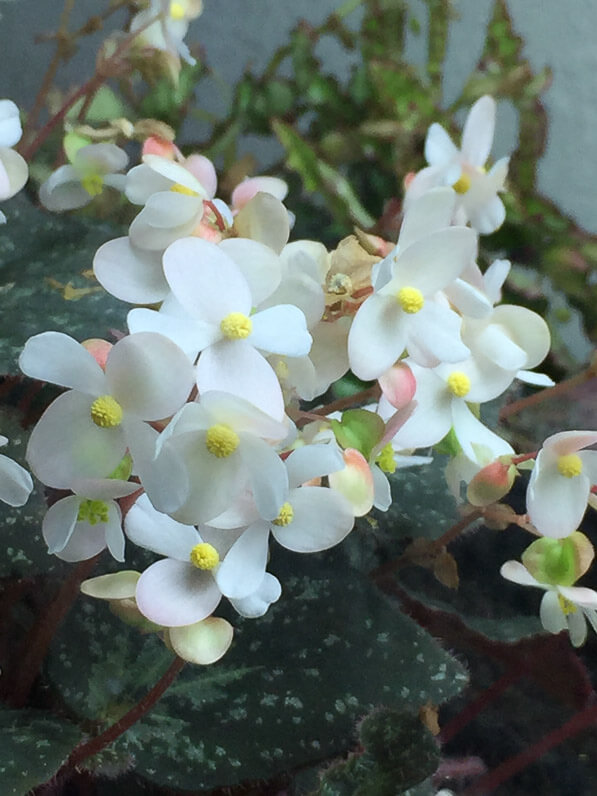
(204, 556)
(459, 383)
(221, 440)
(410, 299)
(567, 606)
(93, 184)
(177, 11)
(93, 512)
(386, 459)
(236, 326)
(462, 184)
(106, 412)
(178, 188)
(286, 515)
(570, 465)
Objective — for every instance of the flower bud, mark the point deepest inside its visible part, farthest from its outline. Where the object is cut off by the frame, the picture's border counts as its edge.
(491, 483)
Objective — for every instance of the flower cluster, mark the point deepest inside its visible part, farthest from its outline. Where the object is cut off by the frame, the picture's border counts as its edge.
(193, 422)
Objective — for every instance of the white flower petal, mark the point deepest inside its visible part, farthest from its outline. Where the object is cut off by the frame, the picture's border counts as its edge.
(257, 604)
(322, 518)
(312, 461)
(377, 336)
(259, 265)
(59, 523)
(281, 330)
(518, 573)
(59, 359)
(439, 147)
(552, 616)
(477, 136)
(266, 473)
(113, 532)
(15, 482)
(556, 504)
(130, 274)
(158, 532)
(242, 571)
(114, 586)
(204, 642)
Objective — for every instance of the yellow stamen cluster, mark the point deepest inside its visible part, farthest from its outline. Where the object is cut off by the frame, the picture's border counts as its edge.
(93, 184)
(178, 188)
(204, 556)
(177, 11)
(106, 412)
(567, 606)
(386, 459)
(236, 326)
(462, 184)
(93, 512)
(410, 299)
(570, 465)
(458, 383)
(286, 515)
(221, 440)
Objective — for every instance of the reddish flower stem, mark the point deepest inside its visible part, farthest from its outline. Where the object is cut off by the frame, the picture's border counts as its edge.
(502, 773)
(550, 392)
(88, 748)
(34, 647)
(472, 710)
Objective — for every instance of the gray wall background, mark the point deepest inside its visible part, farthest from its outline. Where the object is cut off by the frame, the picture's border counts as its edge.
(240, 33)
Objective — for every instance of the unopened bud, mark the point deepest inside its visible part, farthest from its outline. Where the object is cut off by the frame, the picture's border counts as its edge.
(491, 483)
(99, 350)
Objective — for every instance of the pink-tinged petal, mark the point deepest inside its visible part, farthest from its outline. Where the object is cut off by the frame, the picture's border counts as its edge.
(241, 572)
(113, 532)
(130, 274)
(435, 330)
(266, 474)
(551, 614)
(432, 263)
(322, 518)
(235, 367)
(579, 595)
(355, 482)
(312, 461)
(257, 604)
(174, 593)
(377, 336)
(203, 170)
(260, 266)
(556, 504)
(158, 532)
(15, 482)
(247, 189)
(115, 586)
(281, 330)
(518, 573)
(398, 385)
(162, 473)
(59, 359)
(85, 542)
(477, 136)
(439, 147)
(196, 271)
(59, 523)
(149, 375)
(565, 442)
(382, 499)
(66, 445)
(175, 173)
(204, 642)
(428, 213)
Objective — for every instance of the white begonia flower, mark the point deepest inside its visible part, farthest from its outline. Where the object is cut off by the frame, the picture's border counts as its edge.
(560, 604)
(474, 293)
(15, 482)
(561, 481)
(441, 404)
(10, 124)
(223, 442)
(80, 526)
(309, 519)
(173, 202)
(164, 24)
(94, 166)
(464, 169)
(184, 588)
(251, 186)
(217, 300)
(403, 314)
(85, 432)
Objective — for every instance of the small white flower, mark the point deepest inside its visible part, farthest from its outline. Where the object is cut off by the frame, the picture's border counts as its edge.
(15, 482)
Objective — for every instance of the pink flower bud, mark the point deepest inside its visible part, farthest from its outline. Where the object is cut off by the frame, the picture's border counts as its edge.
(99, 350)
(398, 385)
(491, 483)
